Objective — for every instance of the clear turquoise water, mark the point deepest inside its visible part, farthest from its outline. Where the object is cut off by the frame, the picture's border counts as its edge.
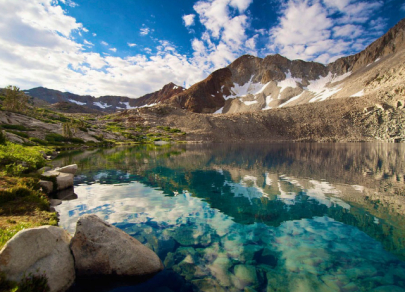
(284, 217)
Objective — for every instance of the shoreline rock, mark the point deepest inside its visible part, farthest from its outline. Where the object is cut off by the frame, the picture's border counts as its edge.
(40, 250)
(102, 249)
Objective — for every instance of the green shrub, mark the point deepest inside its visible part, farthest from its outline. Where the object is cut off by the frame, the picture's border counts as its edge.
(3, 138)
(75, 140)
(17, 159)
(83, 129)
(55, 138)
(16, 127)
(39, 141)
(21, 134)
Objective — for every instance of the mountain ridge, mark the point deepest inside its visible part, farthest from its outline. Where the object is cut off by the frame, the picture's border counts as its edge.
(251, 83)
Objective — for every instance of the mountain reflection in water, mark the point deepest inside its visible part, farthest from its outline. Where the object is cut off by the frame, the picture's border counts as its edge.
(278, 217)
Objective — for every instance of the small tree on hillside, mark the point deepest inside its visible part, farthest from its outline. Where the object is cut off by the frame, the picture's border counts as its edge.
(15, 100)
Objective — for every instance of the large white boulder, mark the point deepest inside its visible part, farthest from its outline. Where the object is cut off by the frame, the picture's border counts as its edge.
(40, 250)
(102, 249)
(68, 169)
(63, 180)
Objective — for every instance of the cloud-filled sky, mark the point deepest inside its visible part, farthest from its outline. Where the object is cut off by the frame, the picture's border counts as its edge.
(134, 47)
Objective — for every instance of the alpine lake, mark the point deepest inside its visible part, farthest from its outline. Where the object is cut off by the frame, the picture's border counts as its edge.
(294, 217)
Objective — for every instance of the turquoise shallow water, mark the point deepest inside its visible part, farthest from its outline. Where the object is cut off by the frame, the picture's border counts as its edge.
(284, 217)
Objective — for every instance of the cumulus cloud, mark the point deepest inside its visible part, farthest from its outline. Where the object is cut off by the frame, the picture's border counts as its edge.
(131, 45)
(225, 36)
(306, 29)
(104, 43)
(37, 47)
(113, 49)
(188, 19)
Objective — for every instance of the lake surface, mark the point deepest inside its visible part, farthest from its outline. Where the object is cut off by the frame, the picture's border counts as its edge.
(277, 217)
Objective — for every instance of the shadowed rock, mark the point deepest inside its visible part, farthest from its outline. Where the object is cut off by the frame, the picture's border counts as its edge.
(102, 249)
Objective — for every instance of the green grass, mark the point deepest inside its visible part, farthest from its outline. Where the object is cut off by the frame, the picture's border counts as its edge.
(16, 159)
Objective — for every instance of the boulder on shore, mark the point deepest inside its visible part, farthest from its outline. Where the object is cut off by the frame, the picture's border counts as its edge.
(102, 249)
(72, 169)
(63, 180)
(40, 250)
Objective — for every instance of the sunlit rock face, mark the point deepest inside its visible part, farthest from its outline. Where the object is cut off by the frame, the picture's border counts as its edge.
(292, 217)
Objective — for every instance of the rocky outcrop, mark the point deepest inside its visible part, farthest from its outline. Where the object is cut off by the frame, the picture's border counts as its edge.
(42, 250)
(207, 95)
(102, 249)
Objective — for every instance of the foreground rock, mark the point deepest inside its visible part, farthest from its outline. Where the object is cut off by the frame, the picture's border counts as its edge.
(40, 250)
(102, 249)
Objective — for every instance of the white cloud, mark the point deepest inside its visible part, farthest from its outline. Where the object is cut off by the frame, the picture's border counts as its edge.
(94, 34)
(85, 29)
(113, 49)
(131, 45)
(306, 29)
(145, 31)
(90, 44)
(36, 46)
(188, 19)
(225, 37)
(69, 3)
(104, 43)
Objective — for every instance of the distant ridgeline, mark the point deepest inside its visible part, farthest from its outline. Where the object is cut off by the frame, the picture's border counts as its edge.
(255, 84)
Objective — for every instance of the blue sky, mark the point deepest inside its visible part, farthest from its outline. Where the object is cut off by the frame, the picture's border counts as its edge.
(133, 47)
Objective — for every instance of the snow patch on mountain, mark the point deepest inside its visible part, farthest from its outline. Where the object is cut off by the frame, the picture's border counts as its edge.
(250, 102)
(76, 102)
(289, 81)
(269, 99)
(219, 111)
(358, 94)
(101, 105)
(319, 86)
(292, 99)
(245, 89)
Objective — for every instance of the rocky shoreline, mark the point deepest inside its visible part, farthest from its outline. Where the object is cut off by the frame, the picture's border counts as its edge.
(96, 249)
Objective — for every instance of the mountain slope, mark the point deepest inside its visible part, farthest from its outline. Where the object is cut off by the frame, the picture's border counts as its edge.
(69, 102)
(253, 84)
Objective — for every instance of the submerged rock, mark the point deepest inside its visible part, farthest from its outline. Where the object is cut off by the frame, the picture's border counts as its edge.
(40, 250)
(102, 249)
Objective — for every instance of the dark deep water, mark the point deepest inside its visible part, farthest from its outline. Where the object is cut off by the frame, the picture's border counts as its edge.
(277, 217)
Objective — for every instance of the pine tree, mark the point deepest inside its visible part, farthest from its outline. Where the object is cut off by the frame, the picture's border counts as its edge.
(15, 100)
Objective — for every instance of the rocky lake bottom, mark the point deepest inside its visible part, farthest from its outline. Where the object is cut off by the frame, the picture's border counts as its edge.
(277, 217)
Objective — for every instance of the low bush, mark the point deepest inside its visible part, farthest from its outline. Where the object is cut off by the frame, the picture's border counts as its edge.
(16, 127)
(39, 141)
(21, 134)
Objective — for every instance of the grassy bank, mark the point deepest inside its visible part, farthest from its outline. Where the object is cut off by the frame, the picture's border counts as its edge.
(22, 203)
